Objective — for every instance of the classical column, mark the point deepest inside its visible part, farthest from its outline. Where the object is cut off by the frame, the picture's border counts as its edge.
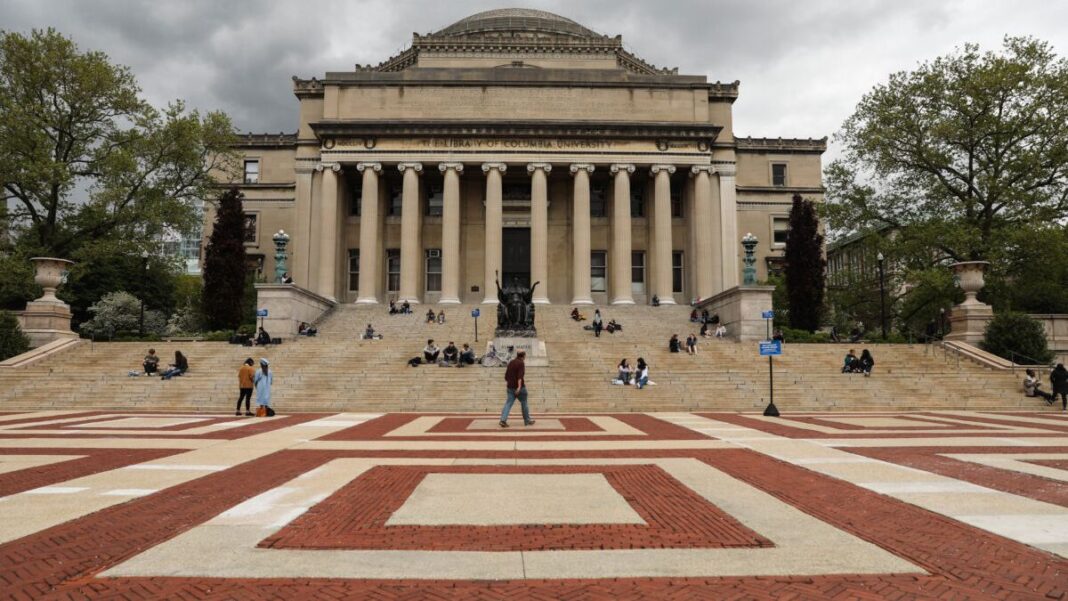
(370, 223)
(301, 247)
(411, 245)
(450, 234)
(620, 268)
(708, 276)
(728, 215)
(539, 230)
(494, 223)
(580, 234)
(662, 233)
(328, 230)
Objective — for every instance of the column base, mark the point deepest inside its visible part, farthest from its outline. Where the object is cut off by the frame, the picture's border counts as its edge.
(623, 301)
(411, 300)
(540, 301)
(667, 301)
(449, 301)
(582, 301)
(367, 301)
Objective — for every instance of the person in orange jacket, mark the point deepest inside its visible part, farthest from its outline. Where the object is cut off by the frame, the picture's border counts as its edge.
(244, 384)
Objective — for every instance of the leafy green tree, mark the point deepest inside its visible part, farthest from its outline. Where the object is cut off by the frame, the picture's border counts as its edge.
(12, 341)
(120, 312)
(805, 266)
(958, 152)
(225, 269)
(100, 273)
(1017, 337)
(16, 282)
(85, 160)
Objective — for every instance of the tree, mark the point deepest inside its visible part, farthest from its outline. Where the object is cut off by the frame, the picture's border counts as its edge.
(12, 341)
(225, 269)
(120, 313)
(84, 160)
(959, 153)
(102, 271)
(805, 266)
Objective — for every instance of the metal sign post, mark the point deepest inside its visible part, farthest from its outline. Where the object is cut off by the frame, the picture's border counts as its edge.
(261, 313)
(475, 313)
(770, 348)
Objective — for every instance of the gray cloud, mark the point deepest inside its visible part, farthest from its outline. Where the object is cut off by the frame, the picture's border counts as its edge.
(803, 65)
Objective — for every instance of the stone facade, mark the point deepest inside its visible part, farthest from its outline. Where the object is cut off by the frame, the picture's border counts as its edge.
(521, 143)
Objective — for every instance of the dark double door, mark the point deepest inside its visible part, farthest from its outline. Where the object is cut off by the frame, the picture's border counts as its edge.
(515, 255)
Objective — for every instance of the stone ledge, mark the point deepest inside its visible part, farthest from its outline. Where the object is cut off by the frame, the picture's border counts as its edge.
(287, 306)
(739, 309)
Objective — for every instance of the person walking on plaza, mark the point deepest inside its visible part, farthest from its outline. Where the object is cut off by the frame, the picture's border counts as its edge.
(514, 378)
(597, 323)
(245, 376)
(1059, 380)
(263, 380)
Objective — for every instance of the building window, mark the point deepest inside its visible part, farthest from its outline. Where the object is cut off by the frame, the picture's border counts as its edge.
(676, 198)
(393, 270)
(251, 222)
(517, 192)
(676, 271)
(396, 198)
(356, 198)
(778, 174)
(637, 201)
(354, 269)
(637, 272)
(598, 271)
(433, 270)
(435, 198)
(598, 198)
(252, 171)
(780, 227)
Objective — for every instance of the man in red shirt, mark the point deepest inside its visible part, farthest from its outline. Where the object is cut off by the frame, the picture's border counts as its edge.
(514, 377)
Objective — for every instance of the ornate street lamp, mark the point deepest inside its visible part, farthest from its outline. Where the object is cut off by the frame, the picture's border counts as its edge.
(749, 242)
(144, 268)
(281, 239)
(882, 291)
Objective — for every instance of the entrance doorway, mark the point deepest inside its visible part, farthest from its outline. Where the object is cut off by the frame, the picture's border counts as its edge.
(515, 255)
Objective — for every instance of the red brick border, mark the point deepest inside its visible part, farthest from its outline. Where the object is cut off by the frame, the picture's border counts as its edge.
(455, 425)
(782, 428)
(94, 462)
(257, 426)
(355, 516)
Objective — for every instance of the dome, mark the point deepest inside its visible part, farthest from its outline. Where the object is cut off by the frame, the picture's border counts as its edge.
(516, 19)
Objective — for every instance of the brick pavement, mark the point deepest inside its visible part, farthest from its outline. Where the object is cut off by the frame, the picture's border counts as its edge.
(962, 561)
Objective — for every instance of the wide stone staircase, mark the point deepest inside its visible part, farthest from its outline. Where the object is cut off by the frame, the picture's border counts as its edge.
(336, 370)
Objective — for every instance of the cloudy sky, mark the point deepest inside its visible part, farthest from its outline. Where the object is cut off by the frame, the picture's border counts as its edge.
(803, 64)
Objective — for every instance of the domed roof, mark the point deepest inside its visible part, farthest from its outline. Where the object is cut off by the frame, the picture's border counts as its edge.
(516, 19)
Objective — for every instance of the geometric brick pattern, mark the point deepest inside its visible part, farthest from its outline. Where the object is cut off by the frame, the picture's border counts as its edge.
(953, 559)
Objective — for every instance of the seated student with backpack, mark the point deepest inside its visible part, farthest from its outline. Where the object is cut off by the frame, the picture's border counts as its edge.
(1032, 388)
(851, 363)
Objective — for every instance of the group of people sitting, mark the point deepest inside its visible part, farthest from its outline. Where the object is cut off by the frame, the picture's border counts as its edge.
(858, 365)
(370, 334)
(450, 355)
(675, 345)
(704, 317)
(306, 330)
(708, 332)
(637, 375)
(150, 364)
(405, 308)
(439, 318)
(1058, 379)
(598, 324)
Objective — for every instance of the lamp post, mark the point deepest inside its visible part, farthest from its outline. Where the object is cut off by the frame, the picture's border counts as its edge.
(942, 322)
(281, 239)
(144, 268)
(749, 242)
(882, 292)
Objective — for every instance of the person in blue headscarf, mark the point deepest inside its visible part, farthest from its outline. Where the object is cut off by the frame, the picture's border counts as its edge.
(263, 380)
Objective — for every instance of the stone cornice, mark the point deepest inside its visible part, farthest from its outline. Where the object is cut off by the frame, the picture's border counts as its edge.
(808, 145)
(782, 189)
(518, 76)
(279, 140)
(549, 129)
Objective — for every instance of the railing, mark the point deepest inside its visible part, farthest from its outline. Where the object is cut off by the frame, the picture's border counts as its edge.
(1013, 355)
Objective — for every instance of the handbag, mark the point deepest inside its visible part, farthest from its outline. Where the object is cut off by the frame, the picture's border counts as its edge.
(261, 411)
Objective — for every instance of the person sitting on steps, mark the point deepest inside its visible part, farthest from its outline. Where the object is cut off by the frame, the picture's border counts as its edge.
(1032, 387)
(613, 327)
(431, 352)
(850, 364)
(306, 330)
(656, 301)
(691, 344)
(451, 354)
(406, 308)
(441, 317)
(576, 315)
(151, 362)
(704, 330)
(721, 331)
(467, 356)
(393, 310)
(369, 333)
(694, 317)
(179, 367)
(430, 317)
(641, 376)
(263, 338)
(625, 371)
(867, 362)
(674, 345)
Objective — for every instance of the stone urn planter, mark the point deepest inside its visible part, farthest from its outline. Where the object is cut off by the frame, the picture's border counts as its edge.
(48, 274)
(970, 276)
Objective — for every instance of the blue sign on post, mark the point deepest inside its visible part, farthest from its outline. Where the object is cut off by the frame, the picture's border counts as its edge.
(770, 347)
(475, 312)
(767, 315)
(261, 312)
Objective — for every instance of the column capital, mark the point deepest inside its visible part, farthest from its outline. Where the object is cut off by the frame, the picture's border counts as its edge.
(376, 167)
(502, 167)
(618, 167)
(417, 167)
(335, 167)
(655, 169)
(546, 167)
(457, 167)
(576, 167)
(726, 169)
(698, 169)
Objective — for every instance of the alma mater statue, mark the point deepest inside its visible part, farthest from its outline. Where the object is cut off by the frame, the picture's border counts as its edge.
(515, 309)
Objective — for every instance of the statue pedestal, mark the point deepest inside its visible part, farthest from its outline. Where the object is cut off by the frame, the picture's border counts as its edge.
(967, 322)
(537, 356)
(45, 321)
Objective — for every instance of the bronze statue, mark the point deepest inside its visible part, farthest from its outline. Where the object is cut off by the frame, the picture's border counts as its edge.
(515, 309)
